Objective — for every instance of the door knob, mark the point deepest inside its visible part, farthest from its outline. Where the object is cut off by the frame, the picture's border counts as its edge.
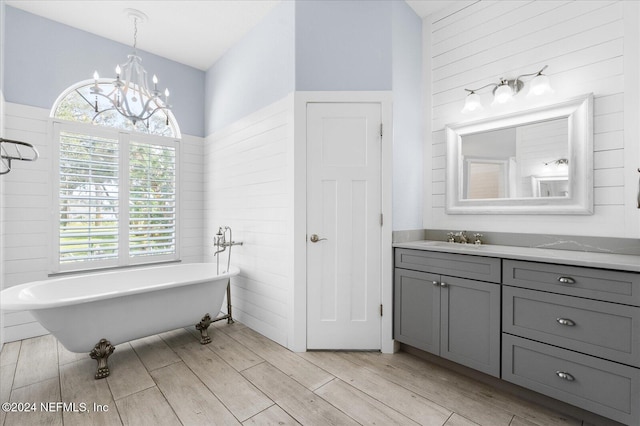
(314, 238)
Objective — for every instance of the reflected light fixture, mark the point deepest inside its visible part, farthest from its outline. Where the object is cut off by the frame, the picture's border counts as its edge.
(505, 90)
(559, 162)
(130, 95)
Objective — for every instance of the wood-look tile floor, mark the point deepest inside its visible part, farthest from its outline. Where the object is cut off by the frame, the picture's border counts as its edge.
(245, 378)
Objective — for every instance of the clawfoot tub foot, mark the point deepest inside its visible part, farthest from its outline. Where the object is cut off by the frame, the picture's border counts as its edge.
(203, 327)
(100, 353)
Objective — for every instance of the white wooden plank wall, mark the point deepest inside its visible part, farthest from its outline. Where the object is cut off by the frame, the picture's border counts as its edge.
(191, 198)
(27, 204)
(582, 42)
(247, 188)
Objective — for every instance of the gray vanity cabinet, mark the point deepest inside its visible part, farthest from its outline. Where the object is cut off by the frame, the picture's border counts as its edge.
(573, 333)
(448, 315)
(568, 331)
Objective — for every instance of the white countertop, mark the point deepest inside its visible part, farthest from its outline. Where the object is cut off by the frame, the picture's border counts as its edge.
(623, 262)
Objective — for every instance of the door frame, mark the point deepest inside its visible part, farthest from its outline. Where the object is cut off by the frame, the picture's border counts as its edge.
(297, 315)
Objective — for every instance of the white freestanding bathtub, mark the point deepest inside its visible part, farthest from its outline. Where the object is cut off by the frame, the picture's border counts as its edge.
(94, 312)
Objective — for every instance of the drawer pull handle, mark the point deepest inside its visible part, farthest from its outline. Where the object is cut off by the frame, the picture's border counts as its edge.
(567, 280)
(435, 283)
(565, 321)
(565, 376)
(443, 284)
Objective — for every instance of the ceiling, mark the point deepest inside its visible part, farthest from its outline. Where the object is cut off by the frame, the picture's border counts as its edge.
(206, 28)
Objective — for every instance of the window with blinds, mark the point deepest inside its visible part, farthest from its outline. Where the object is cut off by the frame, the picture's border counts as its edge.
(152, 200)
(117, 198)
(88, 197)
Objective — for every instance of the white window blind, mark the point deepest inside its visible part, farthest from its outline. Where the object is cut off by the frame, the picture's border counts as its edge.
(152, 199)
(117, 198)
(88, 197)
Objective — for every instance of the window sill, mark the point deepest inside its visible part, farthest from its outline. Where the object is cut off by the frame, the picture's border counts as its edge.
(111, 268)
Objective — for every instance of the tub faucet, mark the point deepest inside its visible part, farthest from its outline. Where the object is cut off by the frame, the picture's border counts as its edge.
(221, 243)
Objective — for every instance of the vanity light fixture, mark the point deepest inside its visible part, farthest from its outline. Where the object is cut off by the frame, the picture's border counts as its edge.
(505, 90)
(130, 95)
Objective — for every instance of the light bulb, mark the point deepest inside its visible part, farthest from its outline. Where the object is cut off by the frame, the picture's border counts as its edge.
(503, 94)
(118, 70)
(166, 93)
(155, 79)
(540, 86)
(95, 75)
(472, 103)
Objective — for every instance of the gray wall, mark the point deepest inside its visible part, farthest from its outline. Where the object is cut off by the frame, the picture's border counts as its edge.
(43, 58)
(254, 73)
(407, 118)
(332, 46)
(343, 45)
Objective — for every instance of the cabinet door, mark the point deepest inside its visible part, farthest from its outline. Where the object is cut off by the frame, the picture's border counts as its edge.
(470, 324)
(417, 309)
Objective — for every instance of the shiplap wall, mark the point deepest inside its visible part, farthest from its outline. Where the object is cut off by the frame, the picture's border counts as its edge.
(247, 187)
(27, 205)
(583, 42)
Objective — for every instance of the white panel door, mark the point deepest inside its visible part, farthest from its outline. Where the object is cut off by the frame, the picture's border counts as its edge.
(343, 225)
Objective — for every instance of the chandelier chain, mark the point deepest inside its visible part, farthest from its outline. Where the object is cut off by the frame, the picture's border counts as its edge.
(135, 34)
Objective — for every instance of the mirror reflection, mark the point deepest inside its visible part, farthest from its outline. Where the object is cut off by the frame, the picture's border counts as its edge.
(524, 161)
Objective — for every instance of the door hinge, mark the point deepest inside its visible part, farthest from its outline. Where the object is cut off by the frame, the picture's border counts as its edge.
(381, 309)
(380, 129)
(381, 219)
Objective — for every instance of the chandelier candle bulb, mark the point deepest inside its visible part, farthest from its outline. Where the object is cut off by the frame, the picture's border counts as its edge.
(95, 79)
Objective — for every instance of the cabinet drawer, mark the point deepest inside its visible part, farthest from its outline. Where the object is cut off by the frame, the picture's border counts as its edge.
(602, 329)
(603, 387)
(600, 284)
(451, 264)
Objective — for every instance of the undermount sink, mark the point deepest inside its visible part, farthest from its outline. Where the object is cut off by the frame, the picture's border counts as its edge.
(447, 244)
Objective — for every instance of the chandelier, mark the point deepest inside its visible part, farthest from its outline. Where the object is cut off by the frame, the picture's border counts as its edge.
(130, 95)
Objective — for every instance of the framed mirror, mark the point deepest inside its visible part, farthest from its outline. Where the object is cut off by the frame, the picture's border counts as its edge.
(538, 161)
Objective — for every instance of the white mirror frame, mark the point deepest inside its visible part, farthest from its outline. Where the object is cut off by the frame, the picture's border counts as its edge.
(579, 112)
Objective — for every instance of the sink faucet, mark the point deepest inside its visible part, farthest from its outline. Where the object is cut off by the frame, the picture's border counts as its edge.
(462, 237)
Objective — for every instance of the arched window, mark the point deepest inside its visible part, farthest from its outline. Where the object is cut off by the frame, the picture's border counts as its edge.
(78, 104)
(116, 186)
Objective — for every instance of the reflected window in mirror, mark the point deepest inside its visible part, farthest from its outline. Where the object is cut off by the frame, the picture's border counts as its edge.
(502, 163)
